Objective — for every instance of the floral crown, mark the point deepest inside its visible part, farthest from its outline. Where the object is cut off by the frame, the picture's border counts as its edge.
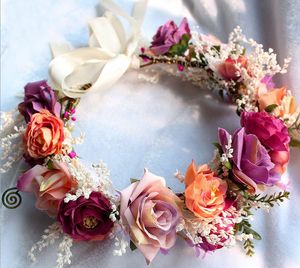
(215, 207)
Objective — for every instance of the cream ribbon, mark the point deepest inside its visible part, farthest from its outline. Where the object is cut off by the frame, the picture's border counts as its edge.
(108, 57)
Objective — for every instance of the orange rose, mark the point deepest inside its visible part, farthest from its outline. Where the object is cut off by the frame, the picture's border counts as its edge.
(204, 192)
(278, 96)
(44, 135)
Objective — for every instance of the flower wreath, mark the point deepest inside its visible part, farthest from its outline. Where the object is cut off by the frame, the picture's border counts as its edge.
(215, 208)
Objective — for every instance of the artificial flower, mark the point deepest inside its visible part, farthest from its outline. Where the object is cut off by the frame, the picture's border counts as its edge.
(44, 135)
(86, 219)
(228, 69)
(278, 96)
(49, 185)
(37, 96)
(272, 133)
(251, 162)
(204, 193)
(225, 225)
(168, 35)
(150, 212)
(267, 80)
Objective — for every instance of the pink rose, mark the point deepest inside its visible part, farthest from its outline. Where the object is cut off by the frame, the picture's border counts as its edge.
(272, 133)
(150, 212)
(49, 185)
(86, 219)
(228, 70)
(168, 35)
(44, 135)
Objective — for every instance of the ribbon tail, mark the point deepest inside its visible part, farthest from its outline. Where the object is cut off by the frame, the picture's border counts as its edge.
(139, 10)
(112, 72)
(59, 49)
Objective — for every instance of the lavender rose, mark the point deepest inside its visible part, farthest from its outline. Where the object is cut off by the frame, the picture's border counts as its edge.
(86, 219)
(168, 35)
(272, 133)
(38, 95)
(150, 213)
(252, 163)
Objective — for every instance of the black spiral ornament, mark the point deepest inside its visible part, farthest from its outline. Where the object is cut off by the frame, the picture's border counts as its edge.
(11, 198)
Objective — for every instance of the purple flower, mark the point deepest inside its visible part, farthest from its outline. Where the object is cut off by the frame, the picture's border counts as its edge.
(272, 133)
(38, 95)
(168, 35)
(86, 219)
(251, 161)
(268, 81)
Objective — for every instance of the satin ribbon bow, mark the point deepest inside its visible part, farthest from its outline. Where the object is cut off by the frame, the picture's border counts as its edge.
(108, 57)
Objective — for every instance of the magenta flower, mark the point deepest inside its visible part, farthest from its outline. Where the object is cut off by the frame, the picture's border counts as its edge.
(252, 163)
(86, 219)
(272, 133)
(168, 35)
(38, 95)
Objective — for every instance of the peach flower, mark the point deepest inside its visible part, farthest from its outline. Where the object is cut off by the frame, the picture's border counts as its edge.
(44, 135)
(49, 185)
(228, 70)
(204, 193)
(279, 97)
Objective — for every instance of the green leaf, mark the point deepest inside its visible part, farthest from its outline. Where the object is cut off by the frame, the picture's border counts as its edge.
(249, 247)
(181, 47)
(228, 165)
(218, 146)
(271, 108)
(132, 246)
(50, 164)
(133, 180)
(249, 230)
(294, 143)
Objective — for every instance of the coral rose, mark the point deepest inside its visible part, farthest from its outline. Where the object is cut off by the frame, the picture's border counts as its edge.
(49, 185)
(150, 212)
(168, 35)
(205, 193)
(228, 70)
(279, 97)
(44, 135)
(86, 219)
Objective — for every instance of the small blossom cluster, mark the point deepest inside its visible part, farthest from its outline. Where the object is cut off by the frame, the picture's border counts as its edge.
(240, 68)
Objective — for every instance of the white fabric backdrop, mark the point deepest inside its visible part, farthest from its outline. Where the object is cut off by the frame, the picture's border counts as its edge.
(137, 124)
